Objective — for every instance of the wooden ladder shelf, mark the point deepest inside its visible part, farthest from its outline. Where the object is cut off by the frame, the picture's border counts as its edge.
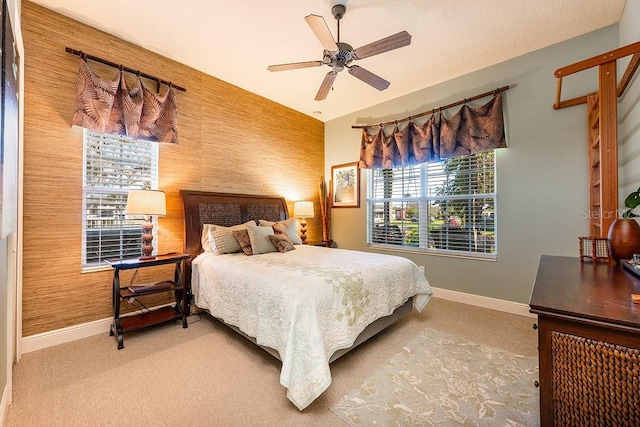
(602, 122)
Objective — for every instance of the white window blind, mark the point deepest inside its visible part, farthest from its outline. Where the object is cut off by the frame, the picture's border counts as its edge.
(442, 207)
(113, 165)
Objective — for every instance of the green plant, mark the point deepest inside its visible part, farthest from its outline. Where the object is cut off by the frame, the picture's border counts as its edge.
(631, 202)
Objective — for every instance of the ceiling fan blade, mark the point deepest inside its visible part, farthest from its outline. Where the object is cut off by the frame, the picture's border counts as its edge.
(321, 30)
(326, 85)
(383, 45)
(294, 65)
(368, 77)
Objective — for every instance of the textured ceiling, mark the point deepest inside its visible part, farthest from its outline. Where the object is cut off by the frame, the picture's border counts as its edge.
(236, 40)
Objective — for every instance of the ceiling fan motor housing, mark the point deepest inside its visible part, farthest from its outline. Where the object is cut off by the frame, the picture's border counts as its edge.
(340, 58)
(338, 11)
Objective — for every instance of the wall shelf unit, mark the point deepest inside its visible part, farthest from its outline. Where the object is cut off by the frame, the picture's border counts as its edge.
(602, 123)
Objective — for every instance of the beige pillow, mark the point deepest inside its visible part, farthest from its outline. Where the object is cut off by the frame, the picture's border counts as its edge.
(204, 239)
(291, 225)
(221, 238)
(282, 242)
(259, 237)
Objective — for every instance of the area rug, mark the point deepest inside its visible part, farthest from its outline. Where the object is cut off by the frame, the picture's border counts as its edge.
(442, 380)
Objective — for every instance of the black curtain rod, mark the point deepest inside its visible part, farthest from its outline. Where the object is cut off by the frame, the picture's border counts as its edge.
(433, 111)
(113, 64)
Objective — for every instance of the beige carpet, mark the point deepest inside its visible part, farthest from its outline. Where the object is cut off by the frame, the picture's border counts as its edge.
(439, 379)
(207, 375)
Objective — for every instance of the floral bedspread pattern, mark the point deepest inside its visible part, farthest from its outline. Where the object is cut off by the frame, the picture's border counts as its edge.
(306, 303)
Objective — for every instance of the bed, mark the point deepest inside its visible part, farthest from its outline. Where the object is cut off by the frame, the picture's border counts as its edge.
(307, 306)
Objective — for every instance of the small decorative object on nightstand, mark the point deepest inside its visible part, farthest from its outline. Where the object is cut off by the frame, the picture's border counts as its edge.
(147, 203)
(303, 209)
(123, 324)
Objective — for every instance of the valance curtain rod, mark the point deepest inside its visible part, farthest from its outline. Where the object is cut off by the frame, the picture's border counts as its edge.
(433, 111)
(119, 66)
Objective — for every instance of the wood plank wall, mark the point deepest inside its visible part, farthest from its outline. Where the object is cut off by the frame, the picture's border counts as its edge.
(230, 141)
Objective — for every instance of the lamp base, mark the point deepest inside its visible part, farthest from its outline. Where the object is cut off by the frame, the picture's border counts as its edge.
(147, 238)
(303, 231)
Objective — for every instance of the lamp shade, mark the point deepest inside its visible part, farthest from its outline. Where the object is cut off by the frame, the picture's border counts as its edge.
(146, 202)
(303, 209)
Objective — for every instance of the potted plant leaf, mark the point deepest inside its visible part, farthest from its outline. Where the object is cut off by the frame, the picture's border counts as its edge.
(624, 233)
(631, 202)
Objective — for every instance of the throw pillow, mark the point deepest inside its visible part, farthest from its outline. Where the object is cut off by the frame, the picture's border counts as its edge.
(259, 237)
(242, 236)
(279, 229)
(291, 225)
(221, 238)
(204, 239)
(282, 242)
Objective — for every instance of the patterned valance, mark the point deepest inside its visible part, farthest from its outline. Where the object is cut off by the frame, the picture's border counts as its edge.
(108, 106)
(470, 130)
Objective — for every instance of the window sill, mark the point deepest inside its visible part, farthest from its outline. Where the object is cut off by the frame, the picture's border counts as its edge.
(96, 268)
(404, 249)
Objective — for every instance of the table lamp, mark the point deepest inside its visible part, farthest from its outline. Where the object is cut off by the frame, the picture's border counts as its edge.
(147, 203)
(303, 210)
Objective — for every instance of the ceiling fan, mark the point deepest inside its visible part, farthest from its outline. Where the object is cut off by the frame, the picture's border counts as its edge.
(339, 55)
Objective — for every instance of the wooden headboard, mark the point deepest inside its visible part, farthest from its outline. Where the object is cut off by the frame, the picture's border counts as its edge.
(226, 209)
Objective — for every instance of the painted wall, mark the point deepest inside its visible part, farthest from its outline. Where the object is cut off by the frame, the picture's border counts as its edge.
(230, 141)
(541, 177)
(629, 108)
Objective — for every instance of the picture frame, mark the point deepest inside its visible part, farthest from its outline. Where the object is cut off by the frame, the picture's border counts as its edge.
(345, 185)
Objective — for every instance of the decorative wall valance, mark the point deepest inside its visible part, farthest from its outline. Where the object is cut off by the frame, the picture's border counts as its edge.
(470, 130)
(108, 106)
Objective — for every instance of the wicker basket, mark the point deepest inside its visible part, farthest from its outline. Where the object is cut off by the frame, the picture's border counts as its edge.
(595, 383)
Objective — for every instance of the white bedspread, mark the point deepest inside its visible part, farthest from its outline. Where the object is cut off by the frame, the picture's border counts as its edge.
(306, 303)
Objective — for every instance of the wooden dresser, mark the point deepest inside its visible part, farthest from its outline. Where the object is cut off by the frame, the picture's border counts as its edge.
(588, 343)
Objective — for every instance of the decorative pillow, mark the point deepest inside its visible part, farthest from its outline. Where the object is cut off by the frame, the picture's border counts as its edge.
(221, 238)
(242, 236)
(282, 242)
(259, 237)
(279, 229)
(204, 239)
(291, 225)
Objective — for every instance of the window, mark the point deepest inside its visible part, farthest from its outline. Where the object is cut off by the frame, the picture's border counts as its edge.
(444, 207)
(113, 165)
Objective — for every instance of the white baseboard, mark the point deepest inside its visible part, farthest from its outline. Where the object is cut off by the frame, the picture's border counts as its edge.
(485, 302)
(4, 405)
(64, 335)
(71, 333)
(76, 332)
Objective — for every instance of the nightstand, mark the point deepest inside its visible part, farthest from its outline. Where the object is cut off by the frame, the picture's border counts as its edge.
(325, 243)
(128, 323)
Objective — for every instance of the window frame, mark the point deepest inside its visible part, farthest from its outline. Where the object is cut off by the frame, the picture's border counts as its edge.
(128, 227)
(396, 233)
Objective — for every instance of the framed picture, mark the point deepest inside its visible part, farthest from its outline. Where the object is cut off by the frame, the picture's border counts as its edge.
(345, 186)
(8, 129)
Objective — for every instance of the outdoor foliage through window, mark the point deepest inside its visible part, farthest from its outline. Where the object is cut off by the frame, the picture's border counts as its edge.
(113, 165)
(446, 207)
